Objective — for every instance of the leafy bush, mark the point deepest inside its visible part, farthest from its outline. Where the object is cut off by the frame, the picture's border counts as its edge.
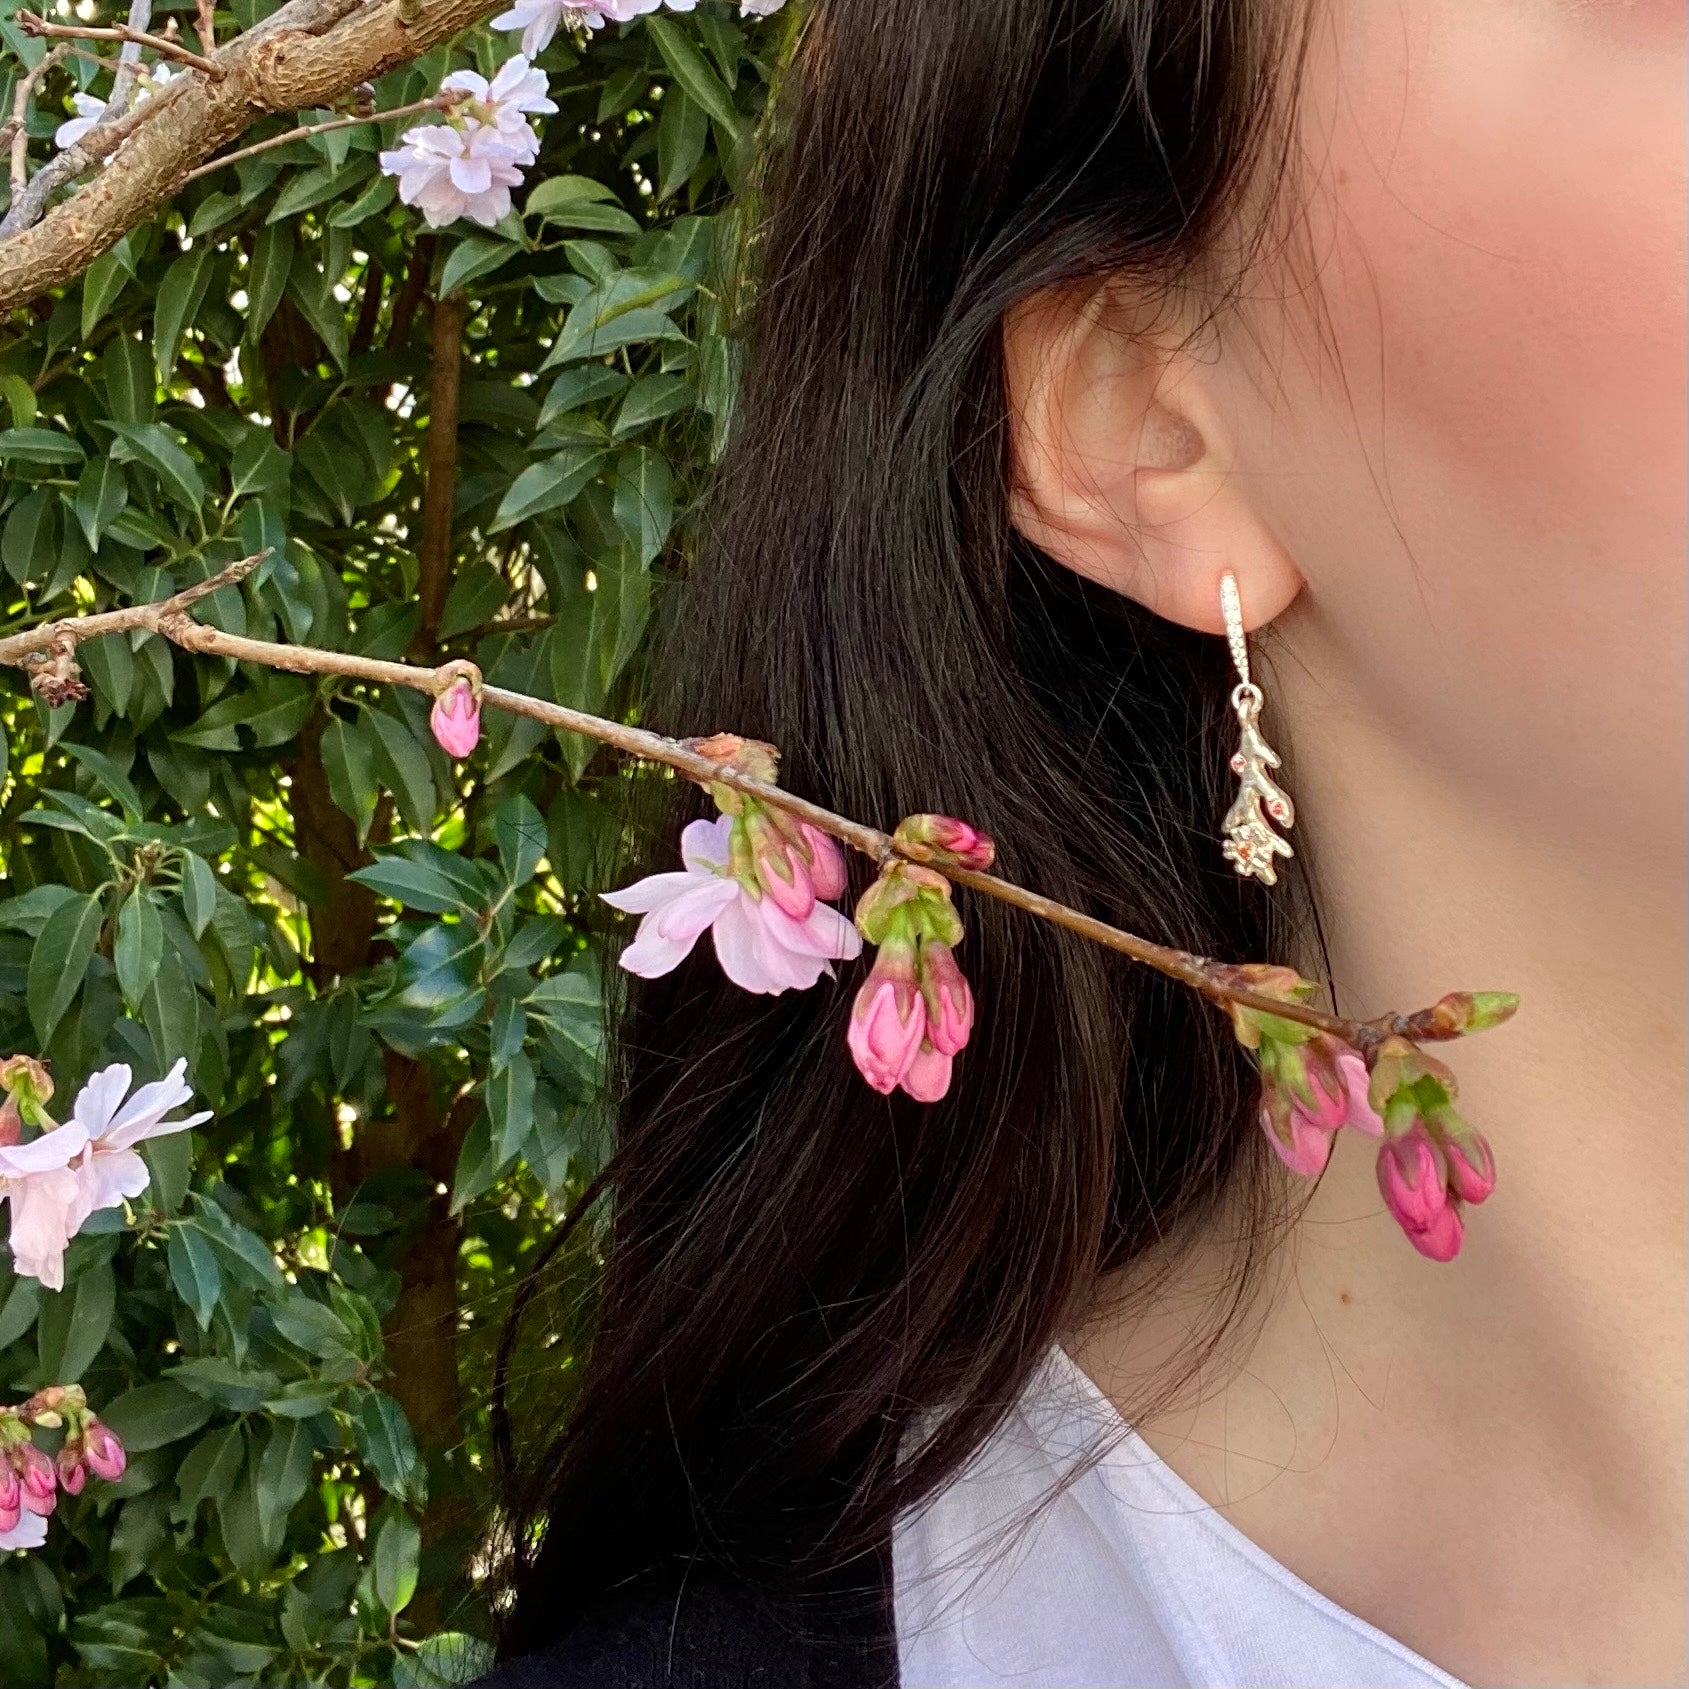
(463, 443)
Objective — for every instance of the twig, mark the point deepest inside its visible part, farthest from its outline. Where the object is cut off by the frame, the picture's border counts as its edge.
(55, 643)
(205, 23)
(435, 102)
(18, 133)
(33, 24)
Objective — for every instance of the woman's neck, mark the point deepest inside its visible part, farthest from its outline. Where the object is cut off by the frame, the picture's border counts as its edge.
(1486, 1459)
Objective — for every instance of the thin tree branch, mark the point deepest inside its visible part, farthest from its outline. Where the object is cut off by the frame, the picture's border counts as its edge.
(205, 24)
(435, 102)
(17, 132)
(53, 645)
(33, 24)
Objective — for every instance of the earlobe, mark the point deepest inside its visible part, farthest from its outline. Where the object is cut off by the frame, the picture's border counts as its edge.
(1123, 469)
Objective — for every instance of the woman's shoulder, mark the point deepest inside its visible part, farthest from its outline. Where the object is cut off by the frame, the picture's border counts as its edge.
(704, 1632)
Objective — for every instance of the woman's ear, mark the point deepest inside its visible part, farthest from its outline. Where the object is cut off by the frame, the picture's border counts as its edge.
(1123, 469)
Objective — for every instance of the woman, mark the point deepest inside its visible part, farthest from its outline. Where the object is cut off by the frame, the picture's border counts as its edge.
(1065, 309)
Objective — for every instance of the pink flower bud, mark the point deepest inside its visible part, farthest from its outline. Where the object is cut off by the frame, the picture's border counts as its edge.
(456, 719)
(11, 1496)
(103, 1450)
(37, 1476)
(934, 837)
(889, 1019)
(1301, 1145)
(780, 869)
(73, 1472)
(1471, 1164)
(1441, 1240)
(950, 1004)
(1412, 1176)
(928, 1077)
(826, 862)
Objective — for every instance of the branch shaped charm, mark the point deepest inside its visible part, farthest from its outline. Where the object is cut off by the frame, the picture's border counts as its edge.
(1250, 843)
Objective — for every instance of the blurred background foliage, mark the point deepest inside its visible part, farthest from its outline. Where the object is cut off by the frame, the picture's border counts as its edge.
(463, 443)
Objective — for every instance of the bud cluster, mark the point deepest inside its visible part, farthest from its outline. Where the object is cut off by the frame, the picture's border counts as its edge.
(915, 1012)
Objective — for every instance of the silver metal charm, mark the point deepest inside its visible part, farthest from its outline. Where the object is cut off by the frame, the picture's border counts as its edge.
(1250, 842)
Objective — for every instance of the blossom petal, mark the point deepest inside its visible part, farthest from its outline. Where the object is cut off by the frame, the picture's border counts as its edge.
(102, 1096)
(45, 1154)
(106, 1181)
(29, 1532)
(703, 844)
(745, 954)
(655, 891)
(42, 1210)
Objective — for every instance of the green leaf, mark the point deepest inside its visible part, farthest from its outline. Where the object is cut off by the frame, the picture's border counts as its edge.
(313, 1327)
(108, 776)
(652, 398)
(312, 292)
(444, 1660)
(19, 1310)
(103, 280)
(39, 445)
(403, 766)
(476, 256)
(199, 892)
(259, 466)
(131, 395)
(240, 1252)
(556, 191)
(398, 1545)
(692, 71)
(59, 960)
(510, 1105)
(284, 1472)
(349, 763)
(644, 502)
(227, 1382)
(423, 882)
(547, 485)
(194, 1271)
(520, 832)
(152, 1415)
(618, 311)
(510, 1028)
(272, 260)
(139, 948)
(313, 187)
(177, 303)
(20, 399)
(153, 445)
(477, 593)
(384, 1440)
(101, 493)
(30, 540)
(170, 1011)
(73, 1324)
(577, 387)
(682, 133)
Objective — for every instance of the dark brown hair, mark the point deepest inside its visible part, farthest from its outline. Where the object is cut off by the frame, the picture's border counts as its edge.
(793, 1265)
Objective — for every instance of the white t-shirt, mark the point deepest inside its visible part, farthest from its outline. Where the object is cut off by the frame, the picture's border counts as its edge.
(1127, 1580)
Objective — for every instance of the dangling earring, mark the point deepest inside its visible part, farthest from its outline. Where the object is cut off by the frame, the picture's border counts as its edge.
(1251, 844)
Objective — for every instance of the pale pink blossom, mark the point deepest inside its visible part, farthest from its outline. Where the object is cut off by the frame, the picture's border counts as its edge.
(538, 21)
(44, 1193)
(110, 1171)
(28, 1530)
(456, 719)
(505, 104)
(449, 171)
(760, 947)
(89, 111)
(759, 8)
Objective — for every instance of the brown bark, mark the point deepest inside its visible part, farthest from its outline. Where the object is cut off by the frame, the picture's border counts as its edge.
(439, 491)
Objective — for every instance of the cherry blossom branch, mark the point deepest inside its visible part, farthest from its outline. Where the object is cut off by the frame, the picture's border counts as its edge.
(308, 53)
(48, 651)
(165, 46)
(435, 102)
